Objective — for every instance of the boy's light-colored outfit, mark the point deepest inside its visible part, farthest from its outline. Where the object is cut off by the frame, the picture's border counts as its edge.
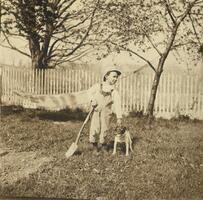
(108, 102)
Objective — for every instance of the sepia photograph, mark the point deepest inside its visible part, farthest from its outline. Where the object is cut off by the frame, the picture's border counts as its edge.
(101, 99)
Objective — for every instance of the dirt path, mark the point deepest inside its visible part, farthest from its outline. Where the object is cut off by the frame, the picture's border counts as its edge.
(18, 165)
(15, 166)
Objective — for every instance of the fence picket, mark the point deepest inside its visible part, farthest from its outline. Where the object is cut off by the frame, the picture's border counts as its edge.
(169, 93)
(195, 96)
(187, 94)
(172, 93)
(138, 92)
(175, 92)
(141, 91)
(5, 82)
(124, 95)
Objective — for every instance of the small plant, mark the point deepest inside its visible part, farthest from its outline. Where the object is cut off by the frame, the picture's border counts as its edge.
(136, 113)
(181, 118)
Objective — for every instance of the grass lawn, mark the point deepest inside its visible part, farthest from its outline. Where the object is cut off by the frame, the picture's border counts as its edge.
(167, 162)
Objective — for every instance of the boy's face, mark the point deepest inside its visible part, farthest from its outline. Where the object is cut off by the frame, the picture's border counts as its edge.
(112, 78)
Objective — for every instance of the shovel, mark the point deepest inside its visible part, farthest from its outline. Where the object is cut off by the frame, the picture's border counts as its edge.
(74, 145)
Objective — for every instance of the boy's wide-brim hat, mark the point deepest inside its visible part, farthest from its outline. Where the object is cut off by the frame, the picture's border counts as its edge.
(110, 69)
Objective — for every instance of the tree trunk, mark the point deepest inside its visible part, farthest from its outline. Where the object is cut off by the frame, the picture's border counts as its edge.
(35, 61)
(155, 84)
(38, 56)
(39, 61)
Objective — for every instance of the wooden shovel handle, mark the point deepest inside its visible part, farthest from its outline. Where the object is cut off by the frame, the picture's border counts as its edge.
(83, 125)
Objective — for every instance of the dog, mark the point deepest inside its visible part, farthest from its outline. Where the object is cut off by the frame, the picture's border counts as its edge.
(122, 134)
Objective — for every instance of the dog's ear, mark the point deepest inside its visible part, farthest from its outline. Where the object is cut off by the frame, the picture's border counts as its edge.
(122, 130)
(127, 128)
(117, 128)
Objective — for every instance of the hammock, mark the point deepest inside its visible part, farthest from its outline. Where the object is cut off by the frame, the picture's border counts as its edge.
(56, 102)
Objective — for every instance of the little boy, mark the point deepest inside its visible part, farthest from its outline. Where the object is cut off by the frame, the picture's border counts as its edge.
(106, 100)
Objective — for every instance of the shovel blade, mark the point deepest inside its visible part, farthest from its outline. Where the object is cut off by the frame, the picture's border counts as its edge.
(72, 149)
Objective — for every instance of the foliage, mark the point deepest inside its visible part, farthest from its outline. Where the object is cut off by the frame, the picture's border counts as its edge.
(137, 27)
(56, 30)
(190, 40)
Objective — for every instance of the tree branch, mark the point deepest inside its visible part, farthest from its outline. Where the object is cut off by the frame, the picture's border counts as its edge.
(193, 26)
(141, 57)
(87, 32)
(66, 7)
(59, 60)
(153, 45)
(64, 18)
(170, 12)
(147, 61)
(189, 7)
(181, 44)
(80, 55)
(13, 47)
(174, 31)
(52, 46)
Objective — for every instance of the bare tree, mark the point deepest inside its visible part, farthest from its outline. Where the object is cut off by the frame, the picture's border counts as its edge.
(161, 25)
(57, 31)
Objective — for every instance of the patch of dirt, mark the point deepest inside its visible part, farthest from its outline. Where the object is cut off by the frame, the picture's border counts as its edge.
(15, 166)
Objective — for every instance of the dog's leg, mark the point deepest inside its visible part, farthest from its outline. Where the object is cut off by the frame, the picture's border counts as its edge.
(114, 146)
(127, 146)
(130, 141)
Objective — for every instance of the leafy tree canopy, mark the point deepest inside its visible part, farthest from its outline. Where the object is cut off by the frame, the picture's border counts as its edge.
(57, 31)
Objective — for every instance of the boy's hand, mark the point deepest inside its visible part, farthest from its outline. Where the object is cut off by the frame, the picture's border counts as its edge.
(119, 121)
(94, 103)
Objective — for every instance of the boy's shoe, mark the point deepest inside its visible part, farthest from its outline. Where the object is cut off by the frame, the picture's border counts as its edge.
(102, 147)
(93, 148)
(92, 145)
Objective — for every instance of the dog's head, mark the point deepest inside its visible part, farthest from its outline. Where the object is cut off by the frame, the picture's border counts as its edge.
(120, 130)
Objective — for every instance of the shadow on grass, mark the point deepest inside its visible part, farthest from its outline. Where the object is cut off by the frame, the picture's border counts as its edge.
(62, 116)
(29, 198)
(10, 110)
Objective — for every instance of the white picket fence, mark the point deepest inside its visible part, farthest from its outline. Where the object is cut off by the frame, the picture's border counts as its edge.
(178, 94)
